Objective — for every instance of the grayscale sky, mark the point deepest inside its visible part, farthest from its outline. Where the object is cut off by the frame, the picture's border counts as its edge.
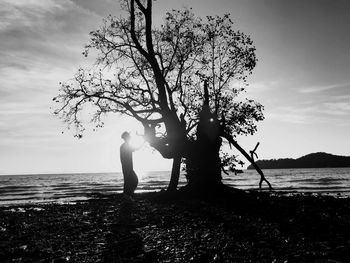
(302, 78)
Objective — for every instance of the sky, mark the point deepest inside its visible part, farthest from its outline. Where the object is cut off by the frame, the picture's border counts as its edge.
(302, 78)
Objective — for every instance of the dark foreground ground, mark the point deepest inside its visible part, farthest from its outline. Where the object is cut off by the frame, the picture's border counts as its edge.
(239, 228)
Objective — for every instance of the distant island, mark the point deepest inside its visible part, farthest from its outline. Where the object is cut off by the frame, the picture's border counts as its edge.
(312, 160)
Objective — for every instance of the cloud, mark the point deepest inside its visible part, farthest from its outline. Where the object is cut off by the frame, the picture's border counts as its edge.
(47, 31)
(41, 44)
(287, 115)
(290, 102)
(341, 97)
(264, 86)
(100, 8)
(335, 112)
(40, 41)
(318, 89)
(338, 108)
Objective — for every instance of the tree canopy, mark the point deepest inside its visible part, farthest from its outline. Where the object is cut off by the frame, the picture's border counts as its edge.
(155, 74)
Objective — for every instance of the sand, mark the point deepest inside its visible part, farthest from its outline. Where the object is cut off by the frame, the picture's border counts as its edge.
(256, 227)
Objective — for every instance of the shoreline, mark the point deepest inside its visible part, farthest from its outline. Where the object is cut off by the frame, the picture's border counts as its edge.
(256, 227)
(93, 195)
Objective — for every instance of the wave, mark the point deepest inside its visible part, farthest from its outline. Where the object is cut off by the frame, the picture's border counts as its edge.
(21, 189)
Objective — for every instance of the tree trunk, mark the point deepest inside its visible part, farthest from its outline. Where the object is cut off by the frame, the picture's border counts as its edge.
(203, 166)
(175, 174)
(205, 173)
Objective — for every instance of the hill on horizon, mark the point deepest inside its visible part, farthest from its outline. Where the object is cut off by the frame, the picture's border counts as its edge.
(312, 160)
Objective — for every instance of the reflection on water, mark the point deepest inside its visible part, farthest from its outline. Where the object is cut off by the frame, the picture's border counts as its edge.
(70, 187)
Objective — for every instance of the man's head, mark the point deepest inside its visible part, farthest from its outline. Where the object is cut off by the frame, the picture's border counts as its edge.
(126, 136)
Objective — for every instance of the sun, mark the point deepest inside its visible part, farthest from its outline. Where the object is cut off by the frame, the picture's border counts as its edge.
(136, 141)
(148, 160)
(145, 158)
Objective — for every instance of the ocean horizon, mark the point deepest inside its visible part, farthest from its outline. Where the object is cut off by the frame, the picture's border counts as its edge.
(70, 187)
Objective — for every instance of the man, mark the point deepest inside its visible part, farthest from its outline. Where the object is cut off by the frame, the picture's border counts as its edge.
(130, 177)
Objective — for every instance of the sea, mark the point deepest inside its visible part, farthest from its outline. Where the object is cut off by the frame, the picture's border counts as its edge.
(69, 188)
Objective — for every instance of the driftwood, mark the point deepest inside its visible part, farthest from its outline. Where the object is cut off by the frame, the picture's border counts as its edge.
(262, 176)
(250, 158)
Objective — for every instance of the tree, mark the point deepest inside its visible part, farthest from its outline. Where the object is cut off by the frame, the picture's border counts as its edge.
(177, 80)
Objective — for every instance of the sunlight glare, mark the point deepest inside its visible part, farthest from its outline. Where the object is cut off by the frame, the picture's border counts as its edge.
(137, 141)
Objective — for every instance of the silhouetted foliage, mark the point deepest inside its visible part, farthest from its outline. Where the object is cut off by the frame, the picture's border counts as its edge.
(156, 74)
(312, 160)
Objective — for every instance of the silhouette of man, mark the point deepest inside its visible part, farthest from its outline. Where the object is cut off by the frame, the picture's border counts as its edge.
(130, 177)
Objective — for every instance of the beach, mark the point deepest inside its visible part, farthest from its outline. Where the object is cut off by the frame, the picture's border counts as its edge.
(153, 227)
(174, 131)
